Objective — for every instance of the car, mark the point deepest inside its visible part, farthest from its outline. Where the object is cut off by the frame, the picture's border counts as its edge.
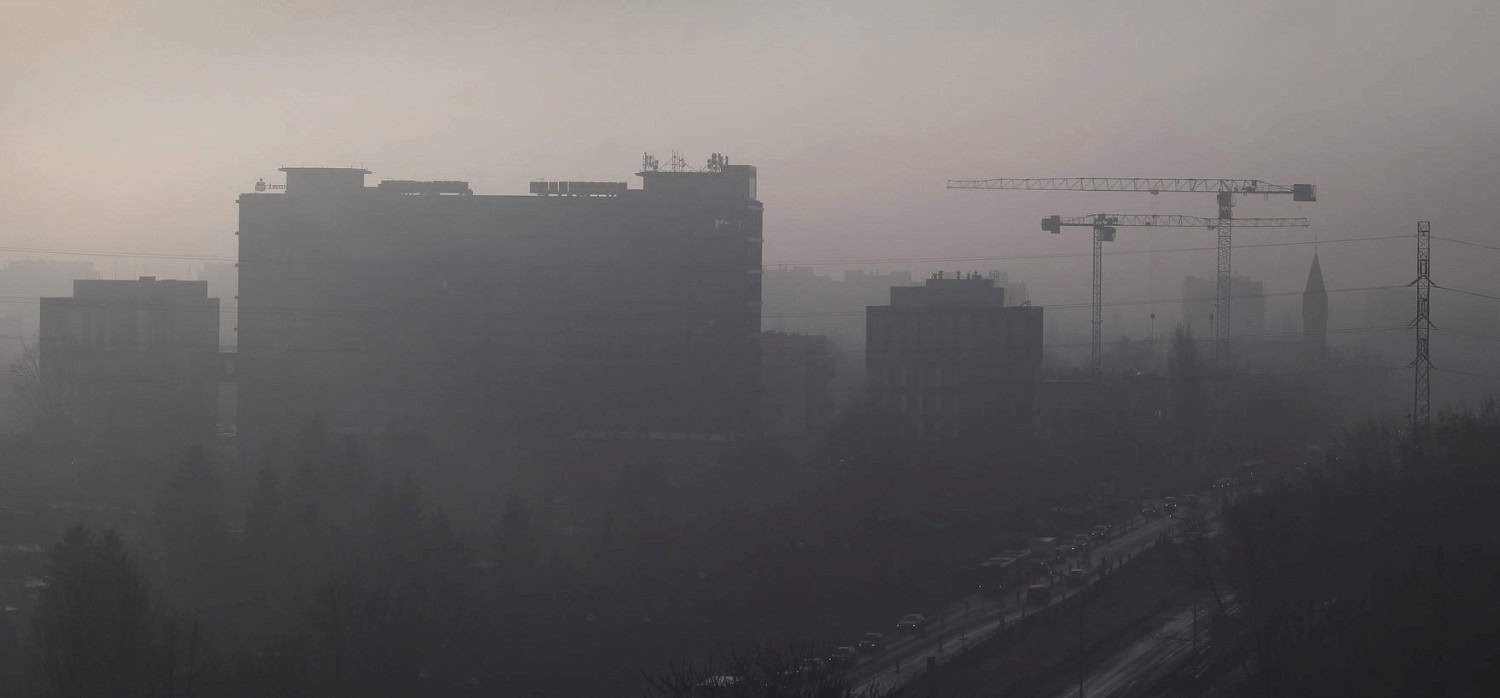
(843, 657)
(719, 685)
(1078, 575)
(812, 666)
(1100, 531)
(911, 623)
(871, 642)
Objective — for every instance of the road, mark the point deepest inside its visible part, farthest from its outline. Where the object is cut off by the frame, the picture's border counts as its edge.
(1136, 667)
(974, 618)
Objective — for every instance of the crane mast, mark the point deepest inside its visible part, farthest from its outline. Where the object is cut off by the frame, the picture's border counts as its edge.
(1104, 224)
(1224, 191)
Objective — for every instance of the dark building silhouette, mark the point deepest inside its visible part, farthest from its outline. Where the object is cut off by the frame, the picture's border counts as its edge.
(138, 359)
(950, 358)
(1315, 315)
(585, 311)
(797, 372)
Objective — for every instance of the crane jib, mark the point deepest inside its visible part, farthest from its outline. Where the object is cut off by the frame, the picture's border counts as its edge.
(1299, 192)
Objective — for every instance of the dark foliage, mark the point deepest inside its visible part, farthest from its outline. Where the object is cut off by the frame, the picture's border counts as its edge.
(1374, 574)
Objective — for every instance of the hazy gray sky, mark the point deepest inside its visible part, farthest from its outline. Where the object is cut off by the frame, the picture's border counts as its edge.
(133, 125)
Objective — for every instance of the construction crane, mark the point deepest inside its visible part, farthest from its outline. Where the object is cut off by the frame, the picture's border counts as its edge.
(1104, 225)
(1223, 189)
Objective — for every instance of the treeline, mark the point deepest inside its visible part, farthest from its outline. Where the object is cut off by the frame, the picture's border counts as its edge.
(334, 574)
(362, 592)
(333, 570)
(1374, 574)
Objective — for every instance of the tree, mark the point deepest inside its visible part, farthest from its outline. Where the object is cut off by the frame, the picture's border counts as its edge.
(26, 381)
(1187, 373)
(515, 543)
(398, 618)
(189, 519)
(265, 521)
(92, 624)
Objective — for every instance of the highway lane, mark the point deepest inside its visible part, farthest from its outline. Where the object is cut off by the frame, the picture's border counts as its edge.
(971, 619)
(1137, 666)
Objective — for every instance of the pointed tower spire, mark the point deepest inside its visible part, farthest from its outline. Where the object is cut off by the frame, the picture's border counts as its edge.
(1315, 278)
(1314, 315)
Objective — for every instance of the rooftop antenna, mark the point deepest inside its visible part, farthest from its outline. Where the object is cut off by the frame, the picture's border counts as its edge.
(677, 163)
(649, 163)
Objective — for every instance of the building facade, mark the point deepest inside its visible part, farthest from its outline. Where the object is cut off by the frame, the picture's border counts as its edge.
(137, 358)
(950, 358)
(586, 310)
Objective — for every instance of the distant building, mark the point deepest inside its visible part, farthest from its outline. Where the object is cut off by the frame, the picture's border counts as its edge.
(586, 311)
(137, 359)
(799, 299)
(1315, 316)
(224, 284)
(950, 358)
(796, 375)
(1247, 306)
(31, 279)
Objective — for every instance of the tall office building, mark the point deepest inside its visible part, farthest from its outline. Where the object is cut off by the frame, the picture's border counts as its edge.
(586, 310)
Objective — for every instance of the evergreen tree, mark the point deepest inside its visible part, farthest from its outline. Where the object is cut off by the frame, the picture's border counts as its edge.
(265, 521)
(515, 545)
(92, 625)
(189, 520)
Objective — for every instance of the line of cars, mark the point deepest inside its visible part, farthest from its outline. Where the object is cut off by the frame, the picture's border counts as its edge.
(870, 643)
(995, 575)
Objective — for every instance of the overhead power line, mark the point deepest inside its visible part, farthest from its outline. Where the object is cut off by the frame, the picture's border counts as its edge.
(1073, 255)
(203, 257)
(1470, 374)
(1466, 292)
(1469, 243)
(639, 309)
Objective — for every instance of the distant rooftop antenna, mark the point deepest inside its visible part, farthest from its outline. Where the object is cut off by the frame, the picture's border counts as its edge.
(649, 163)
(677, 163)
(716, 163)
